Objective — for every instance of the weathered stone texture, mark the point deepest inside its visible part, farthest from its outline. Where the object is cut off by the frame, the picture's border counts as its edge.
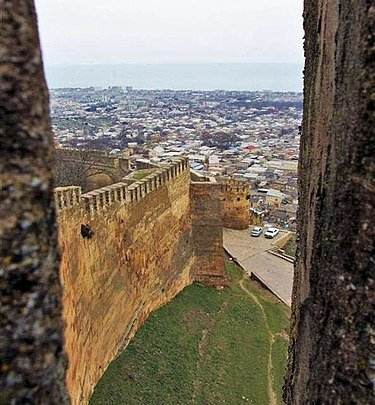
(31, 343)
(333, 298)
(207, 233)
(89, 169)
(139, 257)
(234, 198)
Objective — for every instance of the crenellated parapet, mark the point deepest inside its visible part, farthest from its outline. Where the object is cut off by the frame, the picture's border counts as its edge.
(67, 197)
(120, 193)
(234, 198)
(234, 185)
(97, 200)
(126, 250)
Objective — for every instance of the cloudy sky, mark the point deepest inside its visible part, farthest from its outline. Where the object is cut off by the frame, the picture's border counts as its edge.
(169, 31)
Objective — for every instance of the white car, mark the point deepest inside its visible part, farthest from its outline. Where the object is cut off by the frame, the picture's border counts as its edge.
(256, 231)
(271, 233)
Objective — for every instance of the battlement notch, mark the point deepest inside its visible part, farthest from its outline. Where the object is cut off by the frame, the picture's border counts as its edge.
(234, 185)
(99, 199)
(234, 198)
(67, 197)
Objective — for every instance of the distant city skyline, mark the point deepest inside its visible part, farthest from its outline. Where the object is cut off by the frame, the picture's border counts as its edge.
(169, 31)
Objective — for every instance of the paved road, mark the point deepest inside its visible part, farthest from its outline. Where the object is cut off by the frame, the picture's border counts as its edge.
(251, 253)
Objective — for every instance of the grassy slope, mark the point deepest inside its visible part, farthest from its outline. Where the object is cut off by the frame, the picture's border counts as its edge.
(205, 347)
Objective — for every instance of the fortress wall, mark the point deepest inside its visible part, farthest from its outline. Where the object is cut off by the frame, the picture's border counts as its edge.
(33, 362)
(195, 175)
(331, 339)
(139, 256)
(122, 164)
(207, 233)
(143, 164)
(234, 197)
(93, 156)
(79, 154)
(67, 197)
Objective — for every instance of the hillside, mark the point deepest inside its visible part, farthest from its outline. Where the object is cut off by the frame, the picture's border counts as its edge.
(205, 347)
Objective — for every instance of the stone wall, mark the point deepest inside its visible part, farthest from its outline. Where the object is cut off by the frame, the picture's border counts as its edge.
(88, 168)
(31, 345)
(330, 342)
(126, 251)
(207, 233)
(234, 197)
(95, 157)
(332, 334)
(142, 164)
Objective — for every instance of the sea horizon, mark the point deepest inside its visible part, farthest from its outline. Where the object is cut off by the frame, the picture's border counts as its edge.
(283, 77)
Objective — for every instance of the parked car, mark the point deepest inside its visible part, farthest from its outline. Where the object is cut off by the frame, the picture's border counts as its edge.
(256, 231)
(271, 233)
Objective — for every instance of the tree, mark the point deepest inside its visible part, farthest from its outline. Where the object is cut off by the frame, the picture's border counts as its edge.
(78, 171)
(219, 139)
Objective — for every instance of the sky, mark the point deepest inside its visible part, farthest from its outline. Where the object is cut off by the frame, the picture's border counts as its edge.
(170, 31)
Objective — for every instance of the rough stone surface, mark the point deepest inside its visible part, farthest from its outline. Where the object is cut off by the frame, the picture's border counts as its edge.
(89, 169)
(333, 298)
(127, 250)
(140, 255)
(333, 294)
(207, 233)
(234, 199)
(31, 343)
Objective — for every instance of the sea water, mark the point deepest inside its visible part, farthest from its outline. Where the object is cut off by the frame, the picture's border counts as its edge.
(212, 76)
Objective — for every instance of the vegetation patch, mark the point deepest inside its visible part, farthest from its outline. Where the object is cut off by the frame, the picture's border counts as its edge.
(291, 246)
(205, 347)
(140, 174)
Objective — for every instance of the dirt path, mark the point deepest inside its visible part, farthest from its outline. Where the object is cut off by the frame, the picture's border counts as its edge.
(205, 340)
(271, 338)
(202, 348)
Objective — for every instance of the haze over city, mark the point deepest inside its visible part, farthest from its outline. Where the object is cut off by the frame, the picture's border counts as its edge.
(168, 31)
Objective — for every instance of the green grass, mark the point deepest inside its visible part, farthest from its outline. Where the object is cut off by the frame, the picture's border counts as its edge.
(279, 350)
(140, 174)
(291, 246)
(168, 361)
